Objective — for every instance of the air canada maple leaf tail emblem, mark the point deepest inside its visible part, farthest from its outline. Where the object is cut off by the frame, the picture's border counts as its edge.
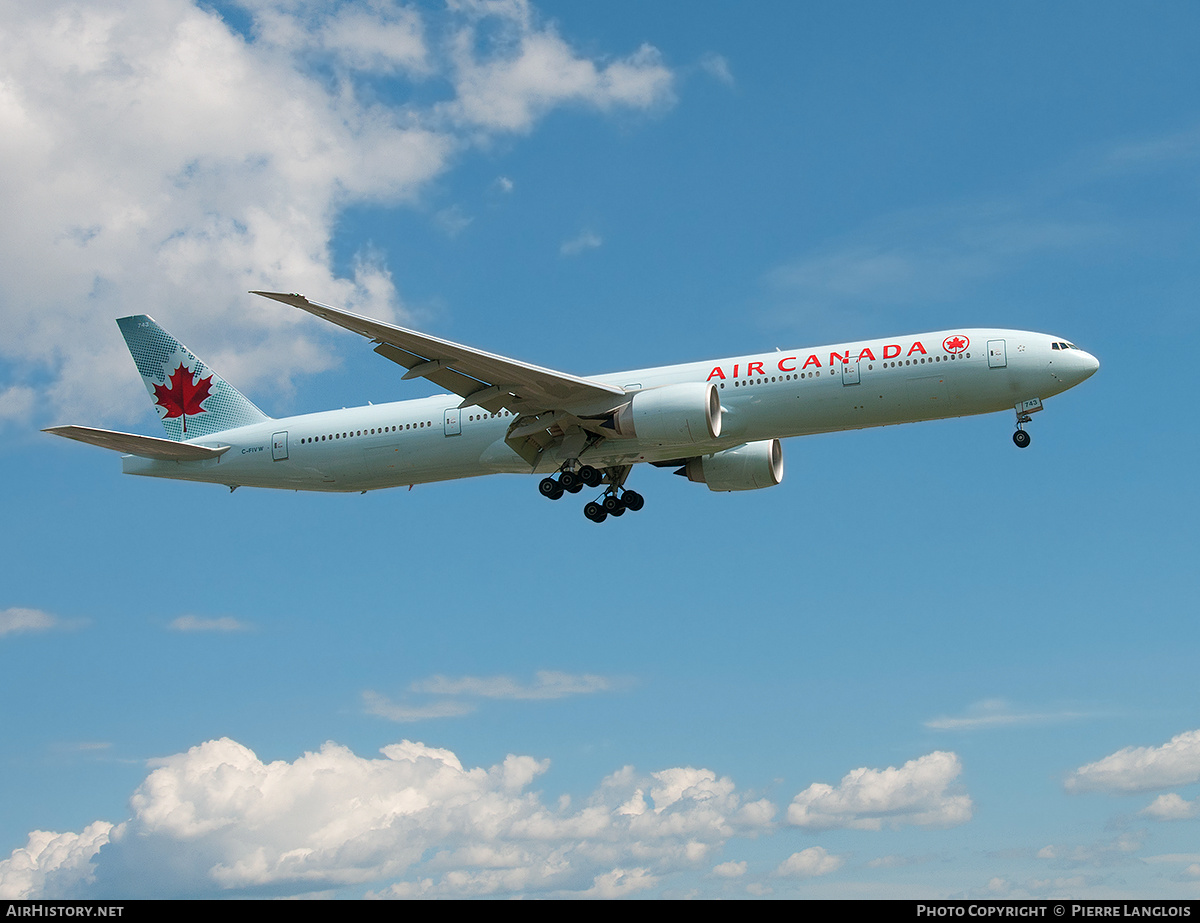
(183, 396)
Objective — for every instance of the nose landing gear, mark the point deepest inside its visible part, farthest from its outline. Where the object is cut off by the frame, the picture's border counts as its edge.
(1024, 409)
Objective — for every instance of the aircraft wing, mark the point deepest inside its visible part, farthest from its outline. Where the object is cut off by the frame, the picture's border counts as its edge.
(133, 444)
(489, 381)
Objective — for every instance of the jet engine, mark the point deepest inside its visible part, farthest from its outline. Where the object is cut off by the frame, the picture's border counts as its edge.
(745, 467)
(682, 414)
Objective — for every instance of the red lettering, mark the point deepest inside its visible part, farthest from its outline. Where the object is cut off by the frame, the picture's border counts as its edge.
(842, 358)
(735, 371)
(887, 354)
(784, 368)
(811, 360)
(866, 354)
(751, 366)
(717, 373)
(917, 347)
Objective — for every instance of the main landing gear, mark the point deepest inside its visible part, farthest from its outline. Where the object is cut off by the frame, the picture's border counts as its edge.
(615, 500)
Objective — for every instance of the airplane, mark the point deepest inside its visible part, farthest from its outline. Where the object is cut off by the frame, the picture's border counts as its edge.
(718, 422)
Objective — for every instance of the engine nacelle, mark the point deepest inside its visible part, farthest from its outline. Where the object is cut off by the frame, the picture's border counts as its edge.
(683, 414)
(746, 467)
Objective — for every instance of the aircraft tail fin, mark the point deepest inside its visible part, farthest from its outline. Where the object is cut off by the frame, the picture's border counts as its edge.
(190, 398)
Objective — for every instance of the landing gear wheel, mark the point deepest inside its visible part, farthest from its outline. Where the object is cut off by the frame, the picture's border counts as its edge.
(548, 487)
(612, 503)
(590, 476)
(595, 512)
(569, 480)
(633, 500)
(1021, 438)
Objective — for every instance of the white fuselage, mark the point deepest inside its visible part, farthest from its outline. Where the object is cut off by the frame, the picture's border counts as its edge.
(770, 395)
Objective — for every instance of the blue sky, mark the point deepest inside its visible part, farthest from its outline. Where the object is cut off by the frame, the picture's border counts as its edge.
(927, 664)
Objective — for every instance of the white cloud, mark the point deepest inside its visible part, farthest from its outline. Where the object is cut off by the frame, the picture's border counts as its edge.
(218, 820)
(1142, 769)
(1098, 854)
(153, 159)
(380, 705)
(729, 870)
(809, 863)
(52, 864)
(585, 240)
(620, 883)
(917, 793)
(1171, 807)
(895, 862)
(996, 713)
(717, 66)
(17, 403)
(190, 623)
(531, 70)
(19, 621)
(452, 221)
(547, 684)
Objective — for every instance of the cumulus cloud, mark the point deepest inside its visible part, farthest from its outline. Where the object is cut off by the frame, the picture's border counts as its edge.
(152, 158)
(918, 793)
(729, 870)
(1142, 769)
(1171, 807)
(525, 72)
(809, 863)
(53, 863)
(414, 821)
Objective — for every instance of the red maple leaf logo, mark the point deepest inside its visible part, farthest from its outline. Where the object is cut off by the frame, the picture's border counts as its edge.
(955, 344)
(184, 397)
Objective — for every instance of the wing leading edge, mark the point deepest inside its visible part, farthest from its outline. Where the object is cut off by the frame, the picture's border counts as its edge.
(480, 378)
(549, 406)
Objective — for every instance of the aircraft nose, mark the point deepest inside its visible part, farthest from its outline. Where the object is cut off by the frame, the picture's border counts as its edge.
(1073, 365)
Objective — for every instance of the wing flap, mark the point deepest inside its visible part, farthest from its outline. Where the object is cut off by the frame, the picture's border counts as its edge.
(462, 370)
(133, 444)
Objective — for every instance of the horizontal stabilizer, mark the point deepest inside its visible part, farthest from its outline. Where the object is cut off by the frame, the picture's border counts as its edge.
(133, 444)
